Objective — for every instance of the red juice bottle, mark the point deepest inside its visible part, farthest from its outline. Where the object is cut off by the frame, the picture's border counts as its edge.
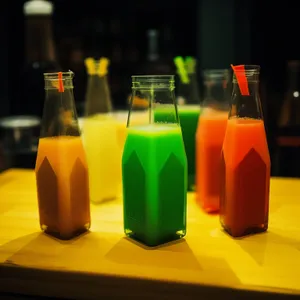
(245, 163)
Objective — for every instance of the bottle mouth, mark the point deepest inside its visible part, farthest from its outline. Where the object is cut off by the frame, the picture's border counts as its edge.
(153, 81)
(251, 73)
(54, 75)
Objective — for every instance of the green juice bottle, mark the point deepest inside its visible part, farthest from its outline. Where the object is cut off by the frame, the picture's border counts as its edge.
(154, 166)
(188, 100)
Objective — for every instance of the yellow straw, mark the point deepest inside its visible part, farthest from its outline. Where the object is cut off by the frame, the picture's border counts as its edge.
(178, 60)
(103, 66)
(90, 65)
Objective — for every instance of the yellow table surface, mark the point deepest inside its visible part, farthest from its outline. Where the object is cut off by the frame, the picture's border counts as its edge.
(207, 263)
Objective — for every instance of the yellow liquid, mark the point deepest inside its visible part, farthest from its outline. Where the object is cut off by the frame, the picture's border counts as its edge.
(104, 154)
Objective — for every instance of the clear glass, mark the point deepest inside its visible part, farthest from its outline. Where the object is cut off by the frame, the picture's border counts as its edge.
(154, 165)
(97, 99)
(188, 100)
(152, 94)
(216, 91)
(209, 138)
(61, 168)
(246, 106)
(245, 162)
(101, 136)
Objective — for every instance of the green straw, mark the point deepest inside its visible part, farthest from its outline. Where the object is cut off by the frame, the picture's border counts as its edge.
(183, 75)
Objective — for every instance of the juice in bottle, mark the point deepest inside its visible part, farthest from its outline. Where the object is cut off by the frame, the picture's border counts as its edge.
(154, 169)
(209, 139)
(61, 168)
(100, 131)
(188, 117)
(209, 142)
(104, 156)
(188, 101)
(245, 170)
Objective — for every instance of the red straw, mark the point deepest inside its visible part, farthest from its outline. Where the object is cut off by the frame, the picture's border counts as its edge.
(61, 88)
(241, 78)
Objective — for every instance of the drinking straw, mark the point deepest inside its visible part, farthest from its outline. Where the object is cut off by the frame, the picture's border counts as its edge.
(90, 65)
(241, 78)
(103, 66)
(179, 63)
(61, 87)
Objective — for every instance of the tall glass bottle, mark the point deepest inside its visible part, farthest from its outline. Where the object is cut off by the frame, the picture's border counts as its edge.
(40, 57)
(288, 139)
(61, 168)
(100, 134)
(188, 100)
(245, 167)
(209, 139)
(154, 166)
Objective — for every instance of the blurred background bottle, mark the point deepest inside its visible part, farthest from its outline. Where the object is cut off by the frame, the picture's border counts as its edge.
(100, 135)
(40, 57)
(209, 138)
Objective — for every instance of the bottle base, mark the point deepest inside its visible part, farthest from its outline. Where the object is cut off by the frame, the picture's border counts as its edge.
(65, 235)
(241, 232)
(151, 241)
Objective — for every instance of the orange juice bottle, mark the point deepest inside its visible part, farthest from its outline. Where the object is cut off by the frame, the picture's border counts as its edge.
(61, 167)
(209, 139)
(245, 163)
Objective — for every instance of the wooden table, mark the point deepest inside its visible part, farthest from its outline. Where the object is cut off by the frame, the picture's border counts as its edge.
(208, 264)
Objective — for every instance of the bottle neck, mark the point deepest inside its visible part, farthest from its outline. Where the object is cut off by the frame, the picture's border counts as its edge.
(246, 106)
(98, 96)
(216, 94)
(189, 93)
(39, 39)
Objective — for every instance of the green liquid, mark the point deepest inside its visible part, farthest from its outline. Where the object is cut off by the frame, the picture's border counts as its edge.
(154, 170)
(188, 115)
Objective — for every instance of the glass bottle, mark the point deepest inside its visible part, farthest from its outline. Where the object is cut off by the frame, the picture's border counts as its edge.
(154, 166)
(40, 57)
(101, 135)
(188, 100)
(288, 135)
(61, 168)
(209, 139)
(245, 163)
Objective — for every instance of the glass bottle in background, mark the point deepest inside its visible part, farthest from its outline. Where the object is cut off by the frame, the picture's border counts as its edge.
(209, 139)
(245, 163)
(188, 100)
(61, 168)
(288, 136)
(154, 166)
(155, 63)
(40, 57)
(100, 135)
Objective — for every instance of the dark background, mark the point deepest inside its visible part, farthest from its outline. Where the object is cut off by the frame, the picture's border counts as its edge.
(217, 32)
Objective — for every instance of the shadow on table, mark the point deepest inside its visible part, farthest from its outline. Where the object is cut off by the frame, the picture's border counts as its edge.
(259, 244)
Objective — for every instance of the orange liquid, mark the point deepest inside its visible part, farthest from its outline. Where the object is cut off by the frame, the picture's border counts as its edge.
(245, 178)
(62, 186)
(209, 142)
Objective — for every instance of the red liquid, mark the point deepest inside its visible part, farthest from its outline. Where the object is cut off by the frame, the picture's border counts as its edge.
(209, 142)
(245, 169)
